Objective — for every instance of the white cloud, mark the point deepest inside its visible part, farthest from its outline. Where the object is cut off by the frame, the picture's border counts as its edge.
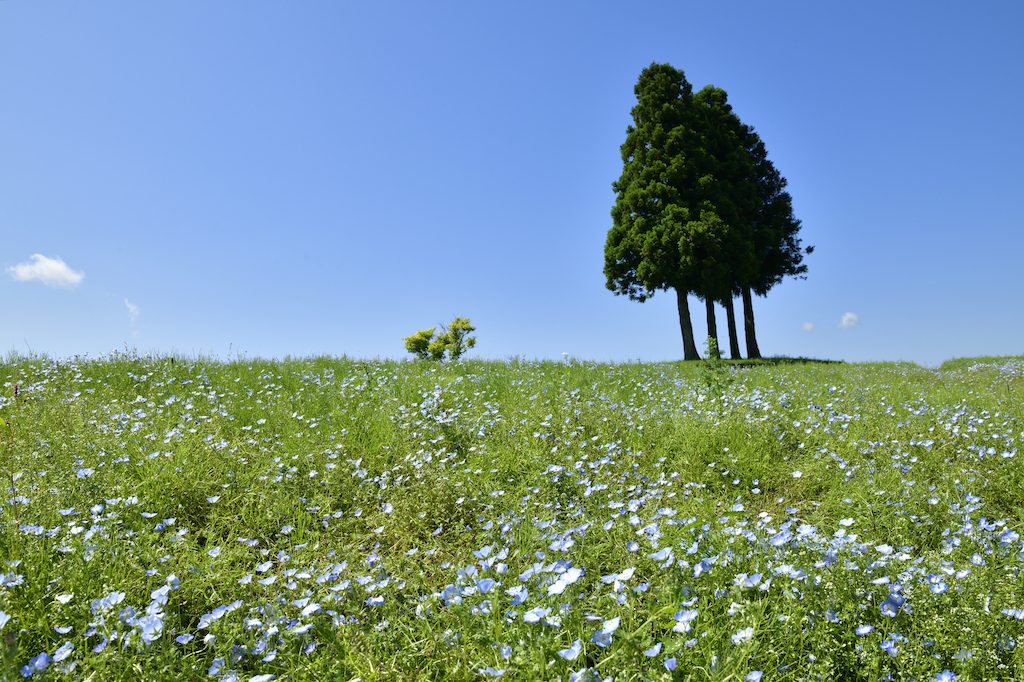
(52, 272)
(133, 311)
(849, 321)
(807, 327)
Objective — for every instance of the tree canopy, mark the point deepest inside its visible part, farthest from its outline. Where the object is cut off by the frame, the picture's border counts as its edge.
(699, 208)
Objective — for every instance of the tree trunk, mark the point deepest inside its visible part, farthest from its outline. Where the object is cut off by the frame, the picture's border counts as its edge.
(748, 325)
(734, 342)
(689, 349)
(712, 323)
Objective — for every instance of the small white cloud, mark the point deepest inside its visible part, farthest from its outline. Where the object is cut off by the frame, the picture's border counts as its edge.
(52, 272)
(849, 321)
(807, 327)
(133, 311)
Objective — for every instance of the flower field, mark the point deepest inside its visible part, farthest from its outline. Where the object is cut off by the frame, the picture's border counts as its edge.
(328, 518)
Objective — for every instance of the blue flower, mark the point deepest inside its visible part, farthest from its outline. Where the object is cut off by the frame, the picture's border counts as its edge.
(63, 652)
(743, 636)
(519, 595)
(491, 672)
(891, 606)
(36, 665)
(653, 651)
(603, 637)
(534, 615)
(945, 676)
(572, 652)
(151, 626)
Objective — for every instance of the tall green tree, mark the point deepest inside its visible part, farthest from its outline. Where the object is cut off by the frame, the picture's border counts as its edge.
(674, 208)
(646, 249)
(774, 237)
(728, 186)
(699, 208)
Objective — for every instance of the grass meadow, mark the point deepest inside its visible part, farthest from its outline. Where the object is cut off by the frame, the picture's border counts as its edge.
(329, 518)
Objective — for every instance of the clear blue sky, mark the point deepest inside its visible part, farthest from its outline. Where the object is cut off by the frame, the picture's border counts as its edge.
(281, 178)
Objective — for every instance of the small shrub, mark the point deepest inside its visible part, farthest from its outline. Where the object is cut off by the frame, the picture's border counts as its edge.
(453, 341)
(714, 372)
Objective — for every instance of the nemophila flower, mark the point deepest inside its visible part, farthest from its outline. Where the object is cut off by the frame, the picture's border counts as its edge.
(653, 651)
(889, 647)
(742, 580)
(266, 677)
(491, 672)
(36, 665)
(150, 627)
(743, 636)
(519, 595)
(864, 629)
(564, 580)
(891, 606)
(535, 614)
(12, 579)
(670, 663)
(684, 620)
(754, 676)
(63, 652)
(108, 602)
(661, 555)
(571, 652)
(375, 601)
(603, 637)
(1008, 536)
(184, 639)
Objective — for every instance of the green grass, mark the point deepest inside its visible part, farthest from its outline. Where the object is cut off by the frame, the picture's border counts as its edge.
(330, 518)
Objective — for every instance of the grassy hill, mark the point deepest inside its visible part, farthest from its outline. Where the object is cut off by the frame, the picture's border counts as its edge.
(329, 518)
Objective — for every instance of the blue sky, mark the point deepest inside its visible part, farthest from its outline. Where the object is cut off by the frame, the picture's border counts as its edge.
(277, 179)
